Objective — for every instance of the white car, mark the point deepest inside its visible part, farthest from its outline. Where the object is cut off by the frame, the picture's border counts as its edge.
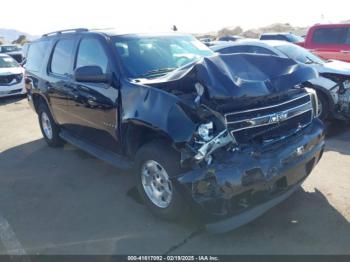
(11, 77)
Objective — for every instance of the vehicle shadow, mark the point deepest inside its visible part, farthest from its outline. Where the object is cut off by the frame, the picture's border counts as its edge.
(11, 99)
(338, 137)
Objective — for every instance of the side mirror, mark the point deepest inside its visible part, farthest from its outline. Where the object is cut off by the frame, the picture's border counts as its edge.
(92, 74)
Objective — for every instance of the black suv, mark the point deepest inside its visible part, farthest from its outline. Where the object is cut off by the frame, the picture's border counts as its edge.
(229, 136)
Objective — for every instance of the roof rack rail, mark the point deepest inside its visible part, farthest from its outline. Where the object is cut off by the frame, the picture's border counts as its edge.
(73, 30)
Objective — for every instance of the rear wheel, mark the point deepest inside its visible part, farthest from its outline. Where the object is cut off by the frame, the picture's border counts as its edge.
(48, 127)
(156, 164)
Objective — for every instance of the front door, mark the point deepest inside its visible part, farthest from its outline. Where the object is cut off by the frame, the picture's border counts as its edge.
(94, 105)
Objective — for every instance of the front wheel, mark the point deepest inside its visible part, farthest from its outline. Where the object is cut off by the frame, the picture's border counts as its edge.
(156, 164)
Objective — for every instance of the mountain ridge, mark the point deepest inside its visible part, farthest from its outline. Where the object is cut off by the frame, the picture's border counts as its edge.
(9, 35)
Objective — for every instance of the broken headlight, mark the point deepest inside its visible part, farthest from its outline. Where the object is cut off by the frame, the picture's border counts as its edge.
(205, 131)
(222, 139)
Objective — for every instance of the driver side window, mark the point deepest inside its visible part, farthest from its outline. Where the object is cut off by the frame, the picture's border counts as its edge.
(90, 53)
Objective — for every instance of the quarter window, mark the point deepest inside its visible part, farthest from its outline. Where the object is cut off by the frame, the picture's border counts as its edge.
(91, 53)
(36, 55)
(61, 58)
(234, 50)
(261, 50)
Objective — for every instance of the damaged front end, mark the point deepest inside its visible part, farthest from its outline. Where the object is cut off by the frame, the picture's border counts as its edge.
(242, 100)
(338, 89)
(255, 133)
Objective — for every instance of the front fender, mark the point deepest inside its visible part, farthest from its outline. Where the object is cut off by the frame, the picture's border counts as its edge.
(158, 110)
(325, 85)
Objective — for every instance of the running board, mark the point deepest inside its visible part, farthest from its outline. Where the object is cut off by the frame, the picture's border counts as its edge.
(98, 152)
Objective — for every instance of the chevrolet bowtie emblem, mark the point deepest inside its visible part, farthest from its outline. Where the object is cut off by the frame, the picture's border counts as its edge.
(278, 117)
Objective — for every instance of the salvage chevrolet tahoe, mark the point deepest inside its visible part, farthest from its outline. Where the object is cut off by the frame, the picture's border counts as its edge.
(228, 136)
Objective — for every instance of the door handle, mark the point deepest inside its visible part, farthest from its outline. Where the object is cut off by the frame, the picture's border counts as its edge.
(345, 51)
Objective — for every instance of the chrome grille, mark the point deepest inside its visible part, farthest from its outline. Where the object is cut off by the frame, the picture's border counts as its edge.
(271, 122)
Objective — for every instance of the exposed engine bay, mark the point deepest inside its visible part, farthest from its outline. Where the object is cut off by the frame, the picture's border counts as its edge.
(342, 93)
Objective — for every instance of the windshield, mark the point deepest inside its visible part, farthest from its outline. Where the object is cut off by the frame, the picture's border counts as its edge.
(10, 48)
(300, 54)
(6, 62)
(147, 57)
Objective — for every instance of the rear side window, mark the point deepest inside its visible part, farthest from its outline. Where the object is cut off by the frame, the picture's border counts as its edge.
(260, 50)
(273, 37)
(330, 35)
(91, 52)
(62, 57)
(246, 49)
(36, 55)
(234, 50)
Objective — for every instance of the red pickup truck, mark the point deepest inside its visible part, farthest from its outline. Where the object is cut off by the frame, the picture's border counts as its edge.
(329, 41)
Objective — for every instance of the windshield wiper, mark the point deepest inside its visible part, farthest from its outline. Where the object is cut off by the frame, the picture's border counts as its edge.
(309, 60)
(160, 71)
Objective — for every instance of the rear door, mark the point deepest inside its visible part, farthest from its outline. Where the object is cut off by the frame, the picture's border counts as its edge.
(36, 58)
(59, 75)
(330, 43)
(95, 105)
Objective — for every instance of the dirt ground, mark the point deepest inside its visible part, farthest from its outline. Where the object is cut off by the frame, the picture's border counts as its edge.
(63, 201)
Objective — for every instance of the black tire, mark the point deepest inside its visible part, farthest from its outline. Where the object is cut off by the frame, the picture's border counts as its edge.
(54, 140)
(169, 159)
(323, 101)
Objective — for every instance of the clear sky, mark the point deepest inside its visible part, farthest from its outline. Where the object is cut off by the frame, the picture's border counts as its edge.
(190, 16)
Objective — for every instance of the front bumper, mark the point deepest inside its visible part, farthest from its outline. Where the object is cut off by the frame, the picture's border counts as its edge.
(249, 182)
(12, 90)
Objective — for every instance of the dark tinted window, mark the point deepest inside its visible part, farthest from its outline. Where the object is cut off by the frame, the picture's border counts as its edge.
(330, 35)
(246, 49)
(299, 54)
(61, 58)
(274, 37)
(234, 50)
(91, 52)
(260, 50)
(36, 55)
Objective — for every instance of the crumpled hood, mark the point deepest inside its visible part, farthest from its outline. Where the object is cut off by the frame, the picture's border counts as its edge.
(238, 75)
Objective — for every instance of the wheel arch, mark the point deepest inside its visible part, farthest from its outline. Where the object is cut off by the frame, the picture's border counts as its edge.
(137, 134)
(39, 99)
(320, 90)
